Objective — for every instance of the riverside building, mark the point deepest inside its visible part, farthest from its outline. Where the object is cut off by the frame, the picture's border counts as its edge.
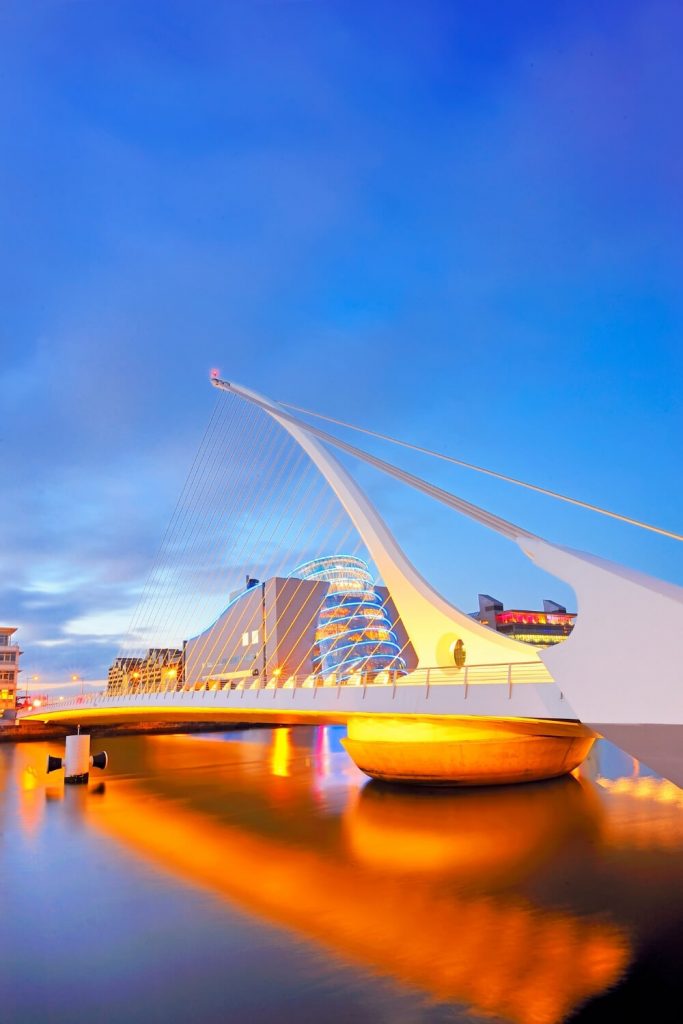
(540, 628)
(326, 621)
(161, 668)
(9, 668)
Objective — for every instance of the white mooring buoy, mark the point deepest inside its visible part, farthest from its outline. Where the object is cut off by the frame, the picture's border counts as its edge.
(77, 760)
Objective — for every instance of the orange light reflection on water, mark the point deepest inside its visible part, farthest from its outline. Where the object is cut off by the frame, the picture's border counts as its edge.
(281, 752)
(429, 889)
(497, 952)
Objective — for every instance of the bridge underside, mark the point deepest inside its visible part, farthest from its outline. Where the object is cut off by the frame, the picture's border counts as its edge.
(181, 714)
(426, 749)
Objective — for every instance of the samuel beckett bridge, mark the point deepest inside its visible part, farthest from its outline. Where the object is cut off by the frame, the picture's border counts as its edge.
(429, 693)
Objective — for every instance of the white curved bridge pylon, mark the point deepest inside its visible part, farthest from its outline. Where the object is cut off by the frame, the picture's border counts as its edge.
(432, 623)
(622, 667)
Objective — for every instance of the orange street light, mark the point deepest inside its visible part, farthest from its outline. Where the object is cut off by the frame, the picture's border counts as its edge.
(34, 679)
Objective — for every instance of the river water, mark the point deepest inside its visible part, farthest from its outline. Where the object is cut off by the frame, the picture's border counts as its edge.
(257, 876)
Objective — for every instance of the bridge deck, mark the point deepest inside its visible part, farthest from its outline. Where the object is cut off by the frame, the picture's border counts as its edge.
(436, 694)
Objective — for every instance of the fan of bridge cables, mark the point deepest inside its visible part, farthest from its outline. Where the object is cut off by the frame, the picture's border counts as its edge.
(253, 507)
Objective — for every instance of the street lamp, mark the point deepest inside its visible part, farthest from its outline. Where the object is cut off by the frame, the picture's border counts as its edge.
(171, 673)
(33, 679)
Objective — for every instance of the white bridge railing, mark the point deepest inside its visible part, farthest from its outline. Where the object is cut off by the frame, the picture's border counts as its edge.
(465, 678)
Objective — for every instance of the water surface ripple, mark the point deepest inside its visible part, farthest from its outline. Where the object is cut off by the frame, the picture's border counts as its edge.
(257, 876)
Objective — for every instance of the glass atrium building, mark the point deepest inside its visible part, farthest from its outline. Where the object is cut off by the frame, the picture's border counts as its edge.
(354, 634)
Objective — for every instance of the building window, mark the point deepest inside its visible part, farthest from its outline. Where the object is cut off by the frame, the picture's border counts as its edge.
(245, 639)
(254, 636)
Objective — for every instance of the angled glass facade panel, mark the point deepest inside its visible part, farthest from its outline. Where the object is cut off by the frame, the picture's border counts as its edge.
(354, 633)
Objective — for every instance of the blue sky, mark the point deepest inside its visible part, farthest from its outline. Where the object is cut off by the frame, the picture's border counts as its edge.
(459, 223)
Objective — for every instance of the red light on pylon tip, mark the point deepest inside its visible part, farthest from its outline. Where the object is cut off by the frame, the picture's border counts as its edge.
(215, 374)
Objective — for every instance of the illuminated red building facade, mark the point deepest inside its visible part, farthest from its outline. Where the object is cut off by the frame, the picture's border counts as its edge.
(540, 628)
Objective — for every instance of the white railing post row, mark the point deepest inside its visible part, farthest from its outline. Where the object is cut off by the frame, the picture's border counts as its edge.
(531, 673)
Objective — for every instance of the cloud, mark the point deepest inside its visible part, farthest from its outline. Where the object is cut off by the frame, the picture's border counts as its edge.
(454, 235)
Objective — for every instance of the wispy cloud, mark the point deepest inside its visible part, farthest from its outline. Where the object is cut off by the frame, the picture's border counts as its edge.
(385, 211)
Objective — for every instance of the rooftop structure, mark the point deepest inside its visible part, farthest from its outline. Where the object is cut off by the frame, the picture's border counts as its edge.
(540, 628)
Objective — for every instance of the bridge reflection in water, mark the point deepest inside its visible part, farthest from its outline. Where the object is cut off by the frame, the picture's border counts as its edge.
(521, 903)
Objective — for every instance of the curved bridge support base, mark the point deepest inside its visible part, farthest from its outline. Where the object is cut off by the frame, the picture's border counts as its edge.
(467, 751)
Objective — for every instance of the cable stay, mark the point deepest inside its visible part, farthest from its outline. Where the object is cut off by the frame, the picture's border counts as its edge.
(487, 472)
(466, 508)
(255, 508)
(259, 505)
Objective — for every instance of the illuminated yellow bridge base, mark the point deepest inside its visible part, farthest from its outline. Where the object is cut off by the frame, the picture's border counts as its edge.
(436, 735)
(466, 751)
